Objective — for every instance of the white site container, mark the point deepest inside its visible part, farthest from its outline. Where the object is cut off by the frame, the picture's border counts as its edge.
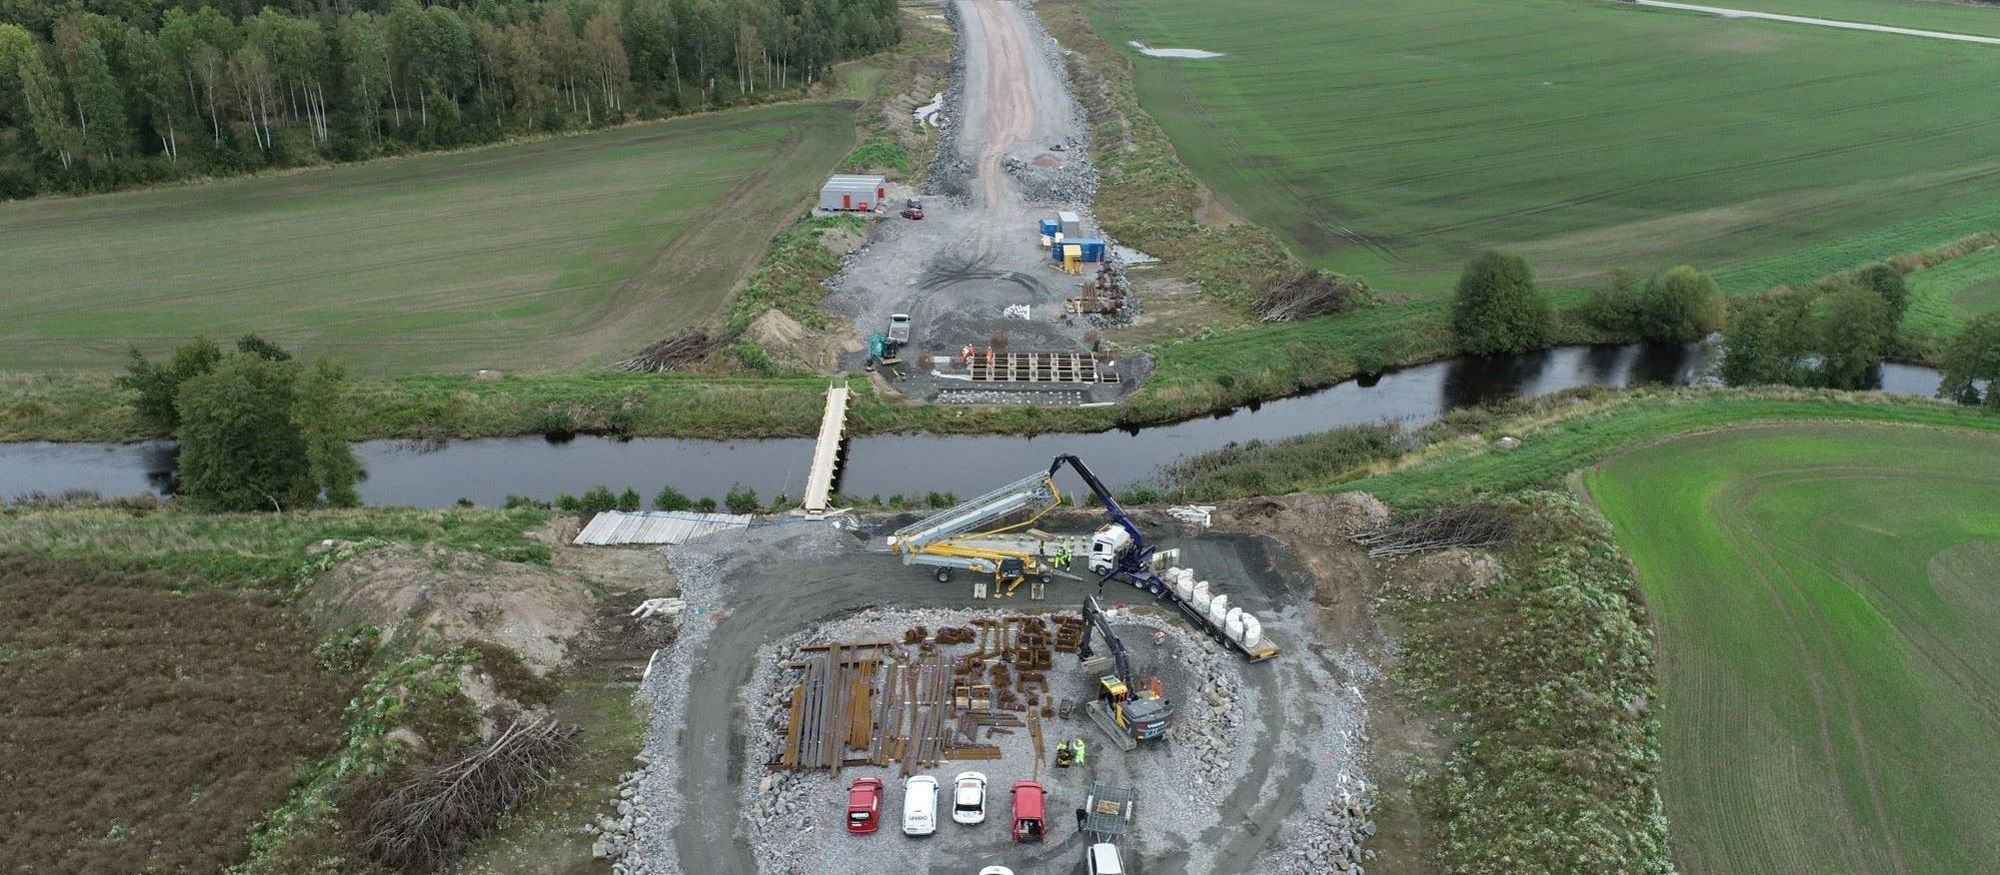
(1218, 609)
(1253, 631)
(1232, 624)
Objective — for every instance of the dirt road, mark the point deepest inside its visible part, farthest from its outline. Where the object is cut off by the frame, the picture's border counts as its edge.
(955, 271)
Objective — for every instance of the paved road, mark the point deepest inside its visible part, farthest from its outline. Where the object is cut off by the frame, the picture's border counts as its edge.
(1822, 22)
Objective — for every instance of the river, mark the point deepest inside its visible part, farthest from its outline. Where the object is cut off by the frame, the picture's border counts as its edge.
(487, 470)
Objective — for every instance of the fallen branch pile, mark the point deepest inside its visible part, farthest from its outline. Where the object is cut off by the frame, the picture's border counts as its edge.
(1308, 293)
(429, 820)
(679, 351)
(1475, 525)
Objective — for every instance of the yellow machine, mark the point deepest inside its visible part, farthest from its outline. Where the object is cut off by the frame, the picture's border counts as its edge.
(973, 536)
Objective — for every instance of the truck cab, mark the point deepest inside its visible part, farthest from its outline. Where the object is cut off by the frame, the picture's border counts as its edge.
(1107, 547)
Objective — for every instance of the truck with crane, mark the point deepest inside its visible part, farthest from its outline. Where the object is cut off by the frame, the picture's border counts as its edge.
(1120, 551)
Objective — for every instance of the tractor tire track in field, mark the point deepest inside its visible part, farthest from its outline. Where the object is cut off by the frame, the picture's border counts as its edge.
(1736, 534)
(1767, 547)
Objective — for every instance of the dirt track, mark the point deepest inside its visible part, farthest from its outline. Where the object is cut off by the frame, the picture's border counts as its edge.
(957, 269)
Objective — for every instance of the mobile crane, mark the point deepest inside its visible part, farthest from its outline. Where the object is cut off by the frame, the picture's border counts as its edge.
(1129, 716)
(970, 537)
(1121, 552)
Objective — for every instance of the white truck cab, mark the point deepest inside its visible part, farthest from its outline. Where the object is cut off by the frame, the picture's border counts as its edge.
(1106, 546)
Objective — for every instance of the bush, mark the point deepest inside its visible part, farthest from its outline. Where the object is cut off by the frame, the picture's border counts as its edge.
(629, 500)
(568, 503)
(515, 502)
(705, 504)
(239, 450)
(1681, 305)
(600, 498)
(1615, 308)
(1887, 282)
(671, 499)
(1499, 309)
(557, 422)
(1973, 358)
(940, 500)
(1768, 341)
(741, 499)
(1855, 330)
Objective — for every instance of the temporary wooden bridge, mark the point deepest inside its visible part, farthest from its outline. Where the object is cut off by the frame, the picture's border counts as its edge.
(826, 452)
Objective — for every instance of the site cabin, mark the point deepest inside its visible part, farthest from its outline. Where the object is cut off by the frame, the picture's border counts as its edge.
(854, 194)
(1029, 799)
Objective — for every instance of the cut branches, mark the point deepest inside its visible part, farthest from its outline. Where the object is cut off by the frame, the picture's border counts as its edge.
(683, 350)
(1308, 293)
(430, 819)
(1477, 525)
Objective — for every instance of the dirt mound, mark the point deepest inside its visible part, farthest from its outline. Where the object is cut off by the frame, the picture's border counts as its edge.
(841, 241)
(792, 345)
(447, 595)
(1343, 515)
(1446, 574)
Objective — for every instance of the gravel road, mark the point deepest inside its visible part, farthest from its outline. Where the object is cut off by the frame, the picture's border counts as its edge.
(1822, 22)
(1016, 149)
(1295, 754)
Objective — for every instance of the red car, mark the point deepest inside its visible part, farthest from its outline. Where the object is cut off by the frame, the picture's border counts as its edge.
(864, 805)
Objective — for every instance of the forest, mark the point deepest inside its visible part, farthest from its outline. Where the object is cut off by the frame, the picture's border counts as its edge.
(103, 94)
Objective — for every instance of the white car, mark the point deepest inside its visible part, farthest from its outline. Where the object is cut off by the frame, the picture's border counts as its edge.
(996, 870)
(1103, 860)
(968, 798)
(920, 805)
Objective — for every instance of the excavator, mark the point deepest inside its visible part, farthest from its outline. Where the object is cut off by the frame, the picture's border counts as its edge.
(974, 536)
(1128, 715)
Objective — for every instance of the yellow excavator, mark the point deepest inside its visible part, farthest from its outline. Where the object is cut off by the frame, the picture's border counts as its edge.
(990, 535)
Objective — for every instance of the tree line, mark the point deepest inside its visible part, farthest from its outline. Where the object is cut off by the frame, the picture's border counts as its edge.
(99, 95)
(1833, 335)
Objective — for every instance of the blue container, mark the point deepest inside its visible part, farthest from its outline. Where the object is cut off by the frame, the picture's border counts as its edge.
(1050, 227)
(1094, 249)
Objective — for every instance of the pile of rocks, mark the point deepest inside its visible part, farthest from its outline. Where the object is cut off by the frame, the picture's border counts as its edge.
(1072, 181)
(1008, 396)
(782, 821)
(1331, 842)
(617, 830)
(949, 170)
(1203, 734)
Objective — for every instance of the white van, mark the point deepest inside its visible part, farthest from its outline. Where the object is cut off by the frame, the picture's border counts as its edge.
(1103, 860)
(920, 805)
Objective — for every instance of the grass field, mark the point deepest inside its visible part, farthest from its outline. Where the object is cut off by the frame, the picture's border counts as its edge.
(1825, 604)
(550, 255)
(1942, 298)
(1392, 138)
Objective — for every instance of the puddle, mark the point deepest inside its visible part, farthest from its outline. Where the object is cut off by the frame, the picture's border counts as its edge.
(1151, 52)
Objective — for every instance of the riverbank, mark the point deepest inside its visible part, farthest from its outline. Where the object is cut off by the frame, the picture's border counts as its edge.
(1464, 456)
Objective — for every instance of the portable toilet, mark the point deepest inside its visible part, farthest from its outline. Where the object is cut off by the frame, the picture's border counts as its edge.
(1072, 258)
(853, 193)
(1070, 224)
(1051, 227)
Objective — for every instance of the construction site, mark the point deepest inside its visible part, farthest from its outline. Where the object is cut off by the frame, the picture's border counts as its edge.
(1026, 679)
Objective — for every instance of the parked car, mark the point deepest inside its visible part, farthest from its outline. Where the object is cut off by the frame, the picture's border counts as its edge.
(864, 805)
(996, 870)
(920, 805)
(968, 798)
(1103, 860)
(1029, 801)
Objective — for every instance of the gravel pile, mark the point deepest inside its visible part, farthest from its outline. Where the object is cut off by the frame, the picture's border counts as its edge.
(616, 830)
(1332, 841)
(1074, 181)
(950, 172)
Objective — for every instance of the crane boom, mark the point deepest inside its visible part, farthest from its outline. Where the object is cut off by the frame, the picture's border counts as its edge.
(1035, 494)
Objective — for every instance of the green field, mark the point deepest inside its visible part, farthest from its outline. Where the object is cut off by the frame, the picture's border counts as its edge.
(1942, 298)
(550, 255)
(1391, 139)
(1826, 603)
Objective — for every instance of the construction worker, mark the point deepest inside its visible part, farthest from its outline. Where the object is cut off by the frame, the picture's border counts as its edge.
(1063, 755)
(1077, 756)
(1081, 816)
(1062, 557)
